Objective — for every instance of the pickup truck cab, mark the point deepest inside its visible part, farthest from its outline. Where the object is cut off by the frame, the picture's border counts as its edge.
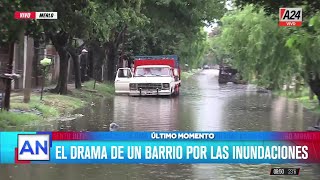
(154, 80)
(122, 80)
(147, 80)
(152, 75)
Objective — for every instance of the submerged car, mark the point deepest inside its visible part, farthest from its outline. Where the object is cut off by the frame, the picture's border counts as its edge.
(228, 74)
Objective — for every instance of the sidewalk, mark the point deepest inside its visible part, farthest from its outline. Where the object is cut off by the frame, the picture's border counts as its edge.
(52, 105)
(17, 92)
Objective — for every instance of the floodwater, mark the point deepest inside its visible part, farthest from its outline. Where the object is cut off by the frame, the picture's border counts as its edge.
(203, 105)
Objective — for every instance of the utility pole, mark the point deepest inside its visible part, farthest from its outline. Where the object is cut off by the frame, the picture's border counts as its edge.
(28, 68)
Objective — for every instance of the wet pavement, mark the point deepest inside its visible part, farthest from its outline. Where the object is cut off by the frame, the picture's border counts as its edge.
(203, 105)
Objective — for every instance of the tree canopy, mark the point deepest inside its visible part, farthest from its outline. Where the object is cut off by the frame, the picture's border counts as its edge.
(257, 48)
(272, 7)
(269, 55)
(116, 29)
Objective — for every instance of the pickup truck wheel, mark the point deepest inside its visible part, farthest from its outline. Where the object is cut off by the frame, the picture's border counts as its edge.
(177, 90)
(172, 93)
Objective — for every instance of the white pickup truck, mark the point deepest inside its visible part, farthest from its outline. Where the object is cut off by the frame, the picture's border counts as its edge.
(148, 80)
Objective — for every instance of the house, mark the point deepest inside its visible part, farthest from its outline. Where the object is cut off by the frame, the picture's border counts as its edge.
(26, 63)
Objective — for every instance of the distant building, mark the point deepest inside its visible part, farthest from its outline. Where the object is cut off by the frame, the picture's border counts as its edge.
(23, 51)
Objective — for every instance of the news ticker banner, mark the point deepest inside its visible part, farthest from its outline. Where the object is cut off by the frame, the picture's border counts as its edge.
(159, 147)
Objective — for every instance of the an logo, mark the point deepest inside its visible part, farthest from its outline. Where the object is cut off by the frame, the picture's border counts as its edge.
(33, 147)
(290, 16)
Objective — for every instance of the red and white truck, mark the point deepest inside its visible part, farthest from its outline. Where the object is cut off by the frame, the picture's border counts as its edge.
(151, 75)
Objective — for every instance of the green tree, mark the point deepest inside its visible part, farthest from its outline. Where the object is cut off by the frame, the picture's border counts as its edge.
(256, 46)
(110, 22)
(272, 7)
(175, 27)
(302, 41)
(10, 28)
(217, 52)
(306, 41)
(117, 28)
(192, 51)
(72, 23)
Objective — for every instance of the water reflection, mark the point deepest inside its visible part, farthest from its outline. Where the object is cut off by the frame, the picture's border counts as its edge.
(262, 112)
(96, 118)
(154, 172)
(209, 108)
(146, 114)
(283, 113)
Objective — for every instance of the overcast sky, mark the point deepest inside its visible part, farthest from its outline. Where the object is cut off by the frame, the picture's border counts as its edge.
(209, 29)
(229, 7)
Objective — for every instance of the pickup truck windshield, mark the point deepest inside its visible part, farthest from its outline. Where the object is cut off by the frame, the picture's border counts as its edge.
(154, 71)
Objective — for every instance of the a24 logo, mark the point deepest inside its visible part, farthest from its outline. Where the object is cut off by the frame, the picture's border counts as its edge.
(290, 16)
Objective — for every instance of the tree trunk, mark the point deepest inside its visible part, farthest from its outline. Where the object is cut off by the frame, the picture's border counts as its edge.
(61, 87)
(35, 61)
(76, 65)
(97, 60)
(314, 84)
(111, 63)
(311, 95)
(8, 81)
(60, 41)
(113, 47)
(91, 68)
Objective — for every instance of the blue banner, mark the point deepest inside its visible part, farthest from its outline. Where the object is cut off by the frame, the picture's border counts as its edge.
(168, 152)
(159, 147)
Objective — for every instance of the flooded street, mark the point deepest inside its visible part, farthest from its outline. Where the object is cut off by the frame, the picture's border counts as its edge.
(203, 105)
